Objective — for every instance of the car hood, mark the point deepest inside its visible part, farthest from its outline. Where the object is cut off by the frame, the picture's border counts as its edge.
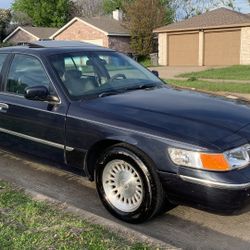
(189, 116)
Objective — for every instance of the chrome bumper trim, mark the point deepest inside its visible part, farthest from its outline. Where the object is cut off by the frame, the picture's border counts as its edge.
(34, 139)
(215, 184)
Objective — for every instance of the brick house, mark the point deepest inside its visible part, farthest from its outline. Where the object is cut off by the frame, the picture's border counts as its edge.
(218, 37)
(29, 34)
(105, 31)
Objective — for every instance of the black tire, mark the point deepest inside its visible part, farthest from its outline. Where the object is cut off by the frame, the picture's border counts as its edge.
(154, 199)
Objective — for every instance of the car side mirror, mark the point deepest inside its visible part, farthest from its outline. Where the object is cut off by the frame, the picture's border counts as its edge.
(39, 93)
(155, 72)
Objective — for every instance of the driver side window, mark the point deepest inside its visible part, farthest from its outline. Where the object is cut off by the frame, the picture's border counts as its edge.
(25, 71)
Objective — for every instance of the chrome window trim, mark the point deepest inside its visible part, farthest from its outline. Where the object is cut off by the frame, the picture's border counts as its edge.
(35, 139)
(215, 184)
(7, 54)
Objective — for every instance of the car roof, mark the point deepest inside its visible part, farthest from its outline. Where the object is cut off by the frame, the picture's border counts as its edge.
(53, 47)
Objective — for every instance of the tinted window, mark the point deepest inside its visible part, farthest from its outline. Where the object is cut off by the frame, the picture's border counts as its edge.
(80, 63)
(25, 71)
(92, 73)
(2, 59)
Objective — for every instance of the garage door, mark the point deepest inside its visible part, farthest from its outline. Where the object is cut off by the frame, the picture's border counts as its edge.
(183, 50)
(222, 48)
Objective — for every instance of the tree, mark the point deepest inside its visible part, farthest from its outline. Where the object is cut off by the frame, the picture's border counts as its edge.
(169, 11)
(111, 5)
(185, 9)
(5, 17)
(230, 4)
(45, 13)
(87, 8)
(143, 16)
(20, 18)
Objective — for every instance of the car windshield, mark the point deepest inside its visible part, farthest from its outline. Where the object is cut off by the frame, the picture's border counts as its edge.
(86, 74)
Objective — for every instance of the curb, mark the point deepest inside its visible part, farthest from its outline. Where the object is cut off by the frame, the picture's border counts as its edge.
(132, 235)
(208, 80)
(230, 95)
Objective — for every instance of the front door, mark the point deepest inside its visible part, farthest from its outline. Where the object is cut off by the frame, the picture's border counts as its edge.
(34, 126)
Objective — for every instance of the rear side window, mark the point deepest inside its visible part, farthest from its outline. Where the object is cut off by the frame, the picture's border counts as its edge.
(2, 59)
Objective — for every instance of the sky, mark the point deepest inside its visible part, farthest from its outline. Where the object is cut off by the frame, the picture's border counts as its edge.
(241, 4)
(5, 3)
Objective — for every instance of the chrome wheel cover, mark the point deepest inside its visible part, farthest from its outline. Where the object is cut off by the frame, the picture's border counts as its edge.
(122, 186)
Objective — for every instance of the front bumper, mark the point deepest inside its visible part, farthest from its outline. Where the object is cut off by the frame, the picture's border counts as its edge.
(203, 191)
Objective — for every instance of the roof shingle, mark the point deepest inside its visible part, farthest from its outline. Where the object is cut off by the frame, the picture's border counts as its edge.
(107, 24)
(214, 18)
(40, 32)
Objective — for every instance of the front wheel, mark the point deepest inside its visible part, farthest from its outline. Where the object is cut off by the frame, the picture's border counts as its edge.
(128, 184)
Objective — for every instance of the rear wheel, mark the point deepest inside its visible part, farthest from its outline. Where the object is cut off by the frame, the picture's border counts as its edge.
(128, 184)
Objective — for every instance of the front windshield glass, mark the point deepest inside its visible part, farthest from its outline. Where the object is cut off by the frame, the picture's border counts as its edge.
(97, 73)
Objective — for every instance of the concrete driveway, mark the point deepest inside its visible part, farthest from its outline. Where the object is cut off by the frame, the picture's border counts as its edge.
(171, 72)
(183, 227)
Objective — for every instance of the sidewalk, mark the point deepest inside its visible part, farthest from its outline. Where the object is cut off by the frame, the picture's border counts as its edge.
(172, 73)
(169, 72)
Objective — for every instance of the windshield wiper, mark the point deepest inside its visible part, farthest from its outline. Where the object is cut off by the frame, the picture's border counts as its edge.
(108, 93)
(116, 92)
(142, 86)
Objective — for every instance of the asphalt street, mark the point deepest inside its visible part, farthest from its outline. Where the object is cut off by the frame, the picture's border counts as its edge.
(183, 226)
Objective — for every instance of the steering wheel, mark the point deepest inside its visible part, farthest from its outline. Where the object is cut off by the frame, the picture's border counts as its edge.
(116, 76)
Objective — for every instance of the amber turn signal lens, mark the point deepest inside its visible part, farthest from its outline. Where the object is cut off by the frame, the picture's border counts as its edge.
(214, 162)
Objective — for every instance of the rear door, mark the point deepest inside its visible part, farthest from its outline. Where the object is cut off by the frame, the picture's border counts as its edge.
(34, 126)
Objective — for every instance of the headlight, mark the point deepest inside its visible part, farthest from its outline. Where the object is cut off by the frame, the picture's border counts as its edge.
(232, 159)
(238, 157)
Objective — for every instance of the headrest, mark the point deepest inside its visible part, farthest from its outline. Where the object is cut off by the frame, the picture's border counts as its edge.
(76, 74)
(89, 63)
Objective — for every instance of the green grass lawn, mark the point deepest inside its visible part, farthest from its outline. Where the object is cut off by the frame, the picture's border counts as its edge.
(215, 87)
(28, 224)
(237, 72)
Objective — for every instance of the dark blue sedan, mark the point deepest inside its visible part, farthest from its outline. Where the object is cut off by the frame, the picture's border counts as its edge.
(147, 145)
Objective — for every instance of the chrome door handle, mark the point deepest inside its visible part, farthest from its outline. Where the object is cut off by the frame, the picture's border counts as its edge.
(4, 107)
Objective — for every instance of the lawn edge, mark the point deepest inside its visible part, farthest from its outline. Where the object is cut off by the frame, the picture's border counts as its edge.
(211, 80)
(229, 95)
(131, 235)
